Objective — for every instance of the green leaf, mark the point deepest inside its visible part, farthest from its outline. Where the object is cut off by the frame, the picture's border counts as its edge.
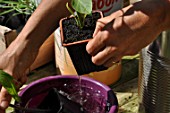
(69, 9)
(82, 6)
(26, 7)
(6, 12)
(7, 82)
(82, 9)
(8, 2)
(7, 7)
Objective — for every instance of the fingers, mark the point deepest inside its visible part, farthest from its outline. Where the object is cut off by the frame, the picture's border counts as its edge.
(95, 44)
(101, 57)
(91, 46)
(2, 111)
(100, 47)
(106, 56)
(22, 78)
(112, 61)
(20, 82)
(5, 99)
(99, 25)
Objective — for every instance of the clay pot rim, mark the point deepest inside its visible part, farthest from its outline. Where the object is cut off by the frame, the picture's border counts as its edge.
(77, 42)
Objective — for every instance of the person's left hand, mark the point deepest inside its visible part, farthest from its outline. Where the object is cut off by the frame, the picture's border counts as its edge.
(15, 61)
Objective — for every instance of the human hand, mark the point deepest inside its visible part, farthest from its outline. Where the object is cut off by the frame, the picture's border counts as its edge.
(15, 61)
(125, 32)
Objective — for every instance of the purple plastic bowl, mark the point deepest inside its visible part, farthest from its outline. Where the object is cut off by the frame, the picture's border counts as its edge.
(36, 91)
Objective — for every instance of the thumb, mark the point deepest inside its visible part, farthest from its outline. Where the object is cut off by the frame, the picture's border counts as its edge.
(99, 26)
(1, 60)
(5, 99)
(101, 23)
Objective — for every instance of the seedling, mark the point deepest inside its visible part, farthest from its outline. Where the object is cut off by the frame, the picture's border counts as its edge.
(7, 82)
(26, 7)
(82, 9)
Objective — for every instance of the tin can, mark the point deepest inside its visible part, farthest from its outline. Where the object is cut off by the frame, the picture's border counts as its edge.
(154, 76)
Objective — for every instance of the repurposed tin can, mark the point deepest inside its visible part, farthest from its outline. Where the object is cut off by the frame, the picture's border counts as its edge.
(154, 76)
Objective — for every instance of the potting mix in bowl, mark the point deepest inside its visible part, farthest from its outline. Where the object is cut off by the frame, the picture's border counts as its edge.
(68, 94)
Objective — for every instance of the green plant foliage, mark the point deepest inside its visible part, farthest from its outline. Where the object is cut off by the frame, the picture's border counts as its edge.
(7, 82)
(82, 9)
(26, 7)
(82, 6)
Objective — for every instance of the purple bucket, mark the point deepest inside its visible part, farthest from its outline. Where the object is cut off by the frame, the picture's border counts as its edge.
(33, 94)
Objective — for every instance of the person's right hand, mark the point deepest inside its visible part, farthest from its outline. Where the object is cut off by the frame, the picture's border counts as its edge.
(15, 61)
(126, 31)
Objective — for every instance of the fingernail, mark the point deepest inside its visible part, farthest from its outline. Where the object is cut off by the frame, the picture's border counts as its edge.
(4, 104)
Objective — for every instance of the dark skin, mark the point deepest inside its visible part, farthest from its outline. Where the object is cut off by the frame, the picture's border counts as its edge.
(22, 52)
(124, 32)
(127, 31)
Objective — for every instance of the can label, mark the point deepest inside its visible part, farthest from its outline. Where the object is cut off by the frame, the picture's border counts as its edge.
(107, 6)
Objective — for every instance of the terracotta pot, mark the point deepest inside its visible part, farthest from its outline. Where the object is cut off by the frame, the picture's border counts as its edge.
(77, 42)
(109, 76)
